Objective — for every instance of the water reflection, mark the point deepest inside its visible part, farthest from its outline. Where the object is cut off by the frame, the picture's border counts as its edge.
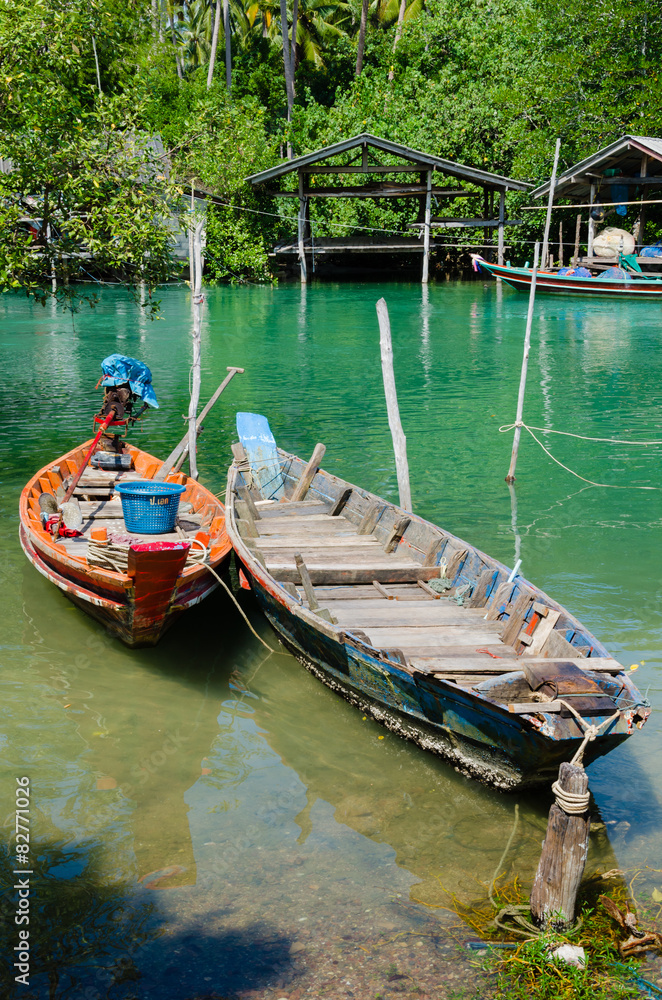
(445, 829)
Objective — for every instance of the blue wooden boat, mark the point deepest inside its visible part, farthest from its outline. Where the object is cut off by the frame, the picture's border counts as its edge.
(613, 283)
(418, 628)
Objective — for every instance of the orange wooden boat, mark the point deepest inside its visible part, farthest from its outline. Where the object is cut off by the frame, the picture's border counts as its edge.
(135, 585)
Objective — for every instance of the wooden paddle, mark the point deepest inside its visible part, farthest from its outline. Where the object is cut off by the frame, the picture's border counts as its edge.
(180, 451)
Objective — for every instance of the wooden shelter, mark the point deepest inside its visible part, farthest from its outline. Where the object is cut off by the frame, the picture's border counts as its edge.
(631, 166)
(376, 166)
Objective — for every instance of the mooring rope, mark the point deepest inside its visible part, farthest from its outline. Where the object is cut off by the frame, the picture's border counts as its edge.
(582, 437)
(609, 486)
(503, 856)
(234, 600)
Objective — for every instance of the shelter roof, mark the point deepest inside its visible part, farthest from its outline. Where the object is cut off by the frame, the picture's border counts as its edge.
(413, 156)
(623, 155)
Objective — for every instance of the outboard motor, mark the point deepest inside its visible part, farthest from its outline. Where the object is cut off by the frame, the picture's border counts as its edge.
(126, 383)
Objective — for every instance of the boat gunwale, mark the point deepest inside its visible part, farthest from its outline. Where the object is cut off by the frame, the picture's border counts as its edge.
(545, 279)
(112, 580)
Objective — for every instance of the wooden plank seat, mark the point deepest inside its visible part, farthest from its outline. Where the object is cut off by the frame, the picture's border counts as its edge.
(329, 567)
(303, 508)
(404, 637)
(379, 612)
(366, 592)
(482, 664)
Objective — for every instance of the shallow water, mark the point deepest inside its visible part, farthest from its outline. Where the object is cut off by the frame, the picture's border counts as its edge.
(210, 820)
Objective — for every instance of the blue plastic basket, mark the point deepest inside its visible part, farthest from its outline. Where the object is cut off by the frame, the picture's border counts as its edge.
(150, 508)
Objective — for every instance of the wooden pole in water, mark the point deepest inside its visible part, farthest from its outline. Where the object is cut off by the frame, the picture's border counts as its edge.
(548, 220)
(510, 478)
(191, 263)
(502, 218)
(564, 852)
(577, 228)
(560, 244)
(426, 228)
(195, 368)
(397, 433)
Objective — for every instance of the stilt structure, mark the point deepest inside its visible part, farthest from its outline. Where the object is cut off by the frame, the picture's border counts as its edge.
(380, 168)
(625, 175)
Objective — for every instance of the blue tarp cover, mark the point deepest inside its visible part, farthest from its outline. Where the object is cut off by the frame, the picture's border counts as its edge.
(577, 272)
(118, 369)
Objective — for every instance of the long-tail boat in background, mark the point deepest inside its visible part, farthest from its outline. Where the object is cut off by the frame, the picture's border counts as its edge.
(616, 282)
(134, 568)
(417, 628)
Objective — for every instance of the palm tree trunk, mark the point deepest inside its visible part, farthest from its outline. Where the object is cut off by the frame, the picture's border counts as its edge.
(214, 43)
(361, 46)
(398, 33)
(228, 45)
(173, 15)
(287, 64)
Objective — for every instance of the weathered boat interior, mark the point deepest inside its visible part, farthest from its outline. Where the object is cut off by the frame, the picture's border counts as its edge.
(421, 597)
(101, 507)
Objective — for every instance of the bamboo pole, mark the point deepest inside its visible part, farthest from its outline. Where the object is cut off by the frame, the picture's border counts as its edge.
(510, 478)
(552, 187)
(575, 259)
(560, 244)
(397, 433)
(195, 368)
(191, 264)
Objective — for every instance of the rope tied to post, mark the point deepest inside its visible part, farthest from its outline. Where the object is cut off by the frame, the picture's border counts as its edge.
(519, 424)
(576, 803)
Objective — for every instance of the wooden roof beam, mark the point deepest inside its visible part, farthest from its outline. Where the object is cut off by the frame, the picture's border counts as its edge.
(372, 168)
(366, 192)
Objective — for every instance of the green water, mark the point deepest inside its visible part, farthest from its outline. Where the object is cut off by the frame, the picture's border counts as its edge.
(196, 808)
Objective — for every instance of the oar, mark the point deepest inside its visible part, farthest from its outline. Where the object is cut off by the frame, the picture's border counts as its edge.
(180, 450)
(74, 482)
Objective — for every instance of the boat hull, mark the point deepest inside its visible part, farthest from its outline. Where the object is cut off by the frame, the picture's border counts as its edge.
(519, 278)
(495, 677)
(138, 606)
(482, 742)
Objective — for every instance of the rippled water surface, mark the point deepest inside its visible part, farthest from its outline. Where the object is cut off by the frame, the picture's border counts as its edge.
(206, 819)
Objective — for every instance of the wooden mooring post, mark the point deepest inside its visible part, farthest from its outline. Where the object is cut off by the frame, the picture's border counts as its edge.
(564, 851)
(397, 433)
(195, 368)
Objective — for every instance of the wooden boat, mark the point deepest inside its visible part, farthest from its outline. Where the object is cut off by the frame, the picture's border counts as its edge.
(418, 628)
(163, 576)
(629, 286)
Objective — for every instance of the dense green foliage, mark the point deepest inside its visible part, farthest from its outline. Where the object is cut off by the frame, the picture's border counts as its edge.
(489, 83)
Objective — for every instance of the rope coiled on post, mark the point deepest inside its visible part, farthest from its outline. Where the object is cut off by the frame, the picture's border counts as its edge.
(576, 803)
